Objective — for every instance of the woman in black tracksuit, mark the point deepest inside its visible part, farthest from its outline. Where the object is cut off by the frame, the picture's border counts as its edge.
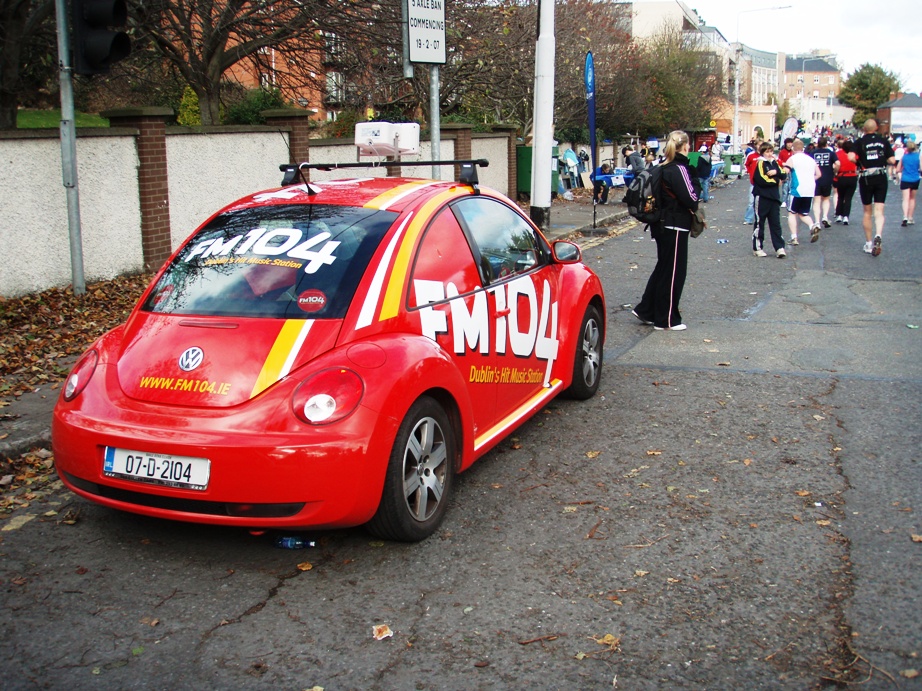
(679, 198)
(765, 186)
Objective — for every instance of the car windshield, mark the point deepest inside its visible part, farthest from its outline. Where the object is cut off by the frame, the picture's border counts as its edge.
(293, 261)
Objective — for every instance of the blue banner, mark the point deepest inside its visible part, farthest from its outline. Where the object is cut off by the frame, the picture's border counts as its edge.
(590, 103)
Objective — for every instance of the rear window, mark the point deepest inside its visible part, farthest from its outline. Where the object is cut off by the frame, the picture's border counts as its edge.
(298, 261)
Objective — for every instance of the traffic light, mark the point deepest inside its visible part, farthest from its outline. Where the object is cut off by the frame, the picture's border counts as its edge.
(95, 45)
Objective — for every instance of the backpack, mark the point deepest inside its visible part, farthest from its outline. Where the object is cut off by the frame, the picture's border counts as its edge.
(643, 195)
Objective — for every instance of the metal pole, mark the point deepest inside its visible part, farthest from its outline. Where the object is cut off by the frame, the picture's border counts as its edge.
(543, 117)
(69, 150)
(736, 99)
(435, 125)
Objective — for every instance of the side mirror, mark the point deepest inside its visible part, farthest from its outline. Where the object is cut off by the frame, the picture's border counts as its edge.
(566, 252)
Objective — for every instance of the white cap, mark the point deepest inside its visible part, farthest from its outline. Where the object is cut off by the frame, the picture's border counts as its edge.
(704, 147)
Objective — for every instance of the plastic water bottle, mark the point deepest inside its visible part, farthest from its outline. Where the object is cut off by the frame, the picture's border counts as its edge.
(293, 542)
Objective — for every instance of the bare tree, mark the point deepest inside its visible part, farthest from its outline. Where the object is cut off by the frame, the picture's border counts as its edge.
(203, 39)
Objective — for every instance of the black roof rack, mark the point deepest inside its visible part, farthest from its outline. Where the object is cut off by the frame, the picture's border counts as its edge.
(468, 169)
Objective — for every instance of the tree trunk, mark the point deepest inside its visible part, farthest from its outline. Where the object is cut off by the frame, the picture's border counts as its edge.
(13, 17)
(209, 103)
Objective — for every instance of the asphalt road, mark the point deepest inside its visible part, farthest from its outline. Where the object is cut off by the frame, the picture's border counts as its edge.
(734, 510)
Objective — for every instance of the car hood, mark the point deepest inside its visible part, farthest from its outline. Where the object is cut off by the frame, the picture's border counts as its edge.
(214, 361)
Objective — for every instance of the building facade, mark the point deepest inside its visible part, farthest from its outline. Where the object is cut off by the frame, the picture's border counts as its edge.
(811, 86)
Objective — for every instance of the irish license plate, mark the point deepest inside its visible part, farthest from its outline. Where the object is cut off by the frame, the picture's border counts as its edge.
(157, 468)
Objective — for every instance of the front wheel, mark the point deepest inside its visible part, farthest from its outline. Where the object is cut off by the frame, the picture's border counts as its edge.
(419, 475)
(587, 364)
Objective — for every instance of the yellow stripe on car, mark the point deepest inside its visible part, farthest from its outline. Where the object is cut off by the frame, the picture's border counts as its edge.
(283, 353)
(394, 289)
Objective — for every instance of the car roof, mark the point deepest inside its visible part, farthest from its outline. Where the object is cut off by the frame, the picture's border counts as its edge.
(393, 194)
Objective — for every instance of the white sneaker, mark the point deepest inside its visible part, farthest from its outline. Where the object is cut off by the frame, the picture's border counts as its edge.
(781, 254)
(868, 247)
(784, 205)
(793, 240)
(677, 327)
(759, 253)
(845, 220)
(838, 219)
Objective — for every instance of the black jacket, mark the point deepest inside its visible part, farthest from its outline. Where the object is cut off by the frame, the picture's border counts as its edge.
(765, 185)
(680, 193)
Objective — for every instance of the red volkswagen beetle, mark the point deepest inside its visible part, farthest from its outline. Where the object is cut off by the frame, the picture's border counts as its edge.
(331, 354)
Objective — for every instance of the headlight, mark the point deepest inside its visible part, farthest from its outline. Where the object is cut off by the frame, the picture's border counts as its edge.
(80, 375)
(328, 396)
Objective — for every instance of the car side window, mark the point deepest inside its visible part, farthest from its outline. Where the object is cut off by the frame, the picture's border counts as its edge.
(445, 256)
(506, 243)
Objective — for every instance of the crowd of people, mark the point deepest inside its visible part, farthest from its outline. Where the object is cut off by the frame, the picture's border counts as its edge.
(813, 181)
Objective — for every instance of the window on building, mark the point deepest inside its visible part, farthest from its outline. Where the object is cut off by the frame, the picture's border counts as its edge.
(816, 79)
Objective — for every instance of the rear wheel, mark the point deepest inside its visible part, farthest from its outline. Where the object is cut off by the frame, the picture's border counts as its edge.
(587, 364)
(419, 475)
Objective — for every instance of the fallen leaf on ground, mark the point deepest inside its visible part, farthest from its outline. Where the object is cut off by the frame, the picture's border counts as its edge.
(305, 566)
(608, 640)
(381, 631)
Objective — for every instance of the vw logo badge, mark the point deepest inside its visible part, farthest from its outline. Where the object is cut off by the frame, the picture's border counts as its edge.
(191, 359)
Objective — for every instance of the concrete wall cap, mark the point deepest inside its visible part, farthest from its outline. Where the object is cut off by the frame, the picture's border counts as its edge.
(143, 112)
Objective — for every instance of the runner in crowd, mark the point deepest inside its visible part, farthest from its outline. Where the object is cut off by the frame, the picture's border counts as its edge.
(786, 151)
(908, 170)
(803, 173)
(873, 154)
(825, 159)
(846, 181)
(749, 164)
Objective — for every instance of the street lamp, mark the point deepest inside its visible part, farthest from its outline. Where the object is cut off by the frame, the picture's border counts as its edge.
(803, 82)
(736, 80)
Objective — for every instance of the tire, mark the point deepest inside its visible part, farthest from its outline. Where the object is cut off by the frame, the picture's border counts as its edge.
(587, 363)
(420, 475)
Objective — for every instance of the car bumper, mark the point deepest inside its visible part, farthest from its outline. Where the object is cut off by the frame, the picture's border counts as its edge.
(328, 476)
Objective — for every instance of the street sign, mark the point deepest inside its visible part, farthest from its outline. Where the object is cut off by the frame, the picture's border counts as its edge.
(426, 31)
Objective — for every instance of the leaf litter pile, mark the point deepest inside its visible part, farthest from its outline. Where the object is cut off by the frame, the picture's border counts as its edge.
(41, 335)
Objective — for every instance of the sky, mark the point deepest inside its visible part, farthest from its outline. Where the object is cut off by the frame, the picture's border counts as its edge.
(854, 30)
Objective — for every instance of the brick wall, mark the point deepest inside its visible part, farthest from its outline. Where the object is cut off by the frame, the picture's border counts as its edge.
(153, 183)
